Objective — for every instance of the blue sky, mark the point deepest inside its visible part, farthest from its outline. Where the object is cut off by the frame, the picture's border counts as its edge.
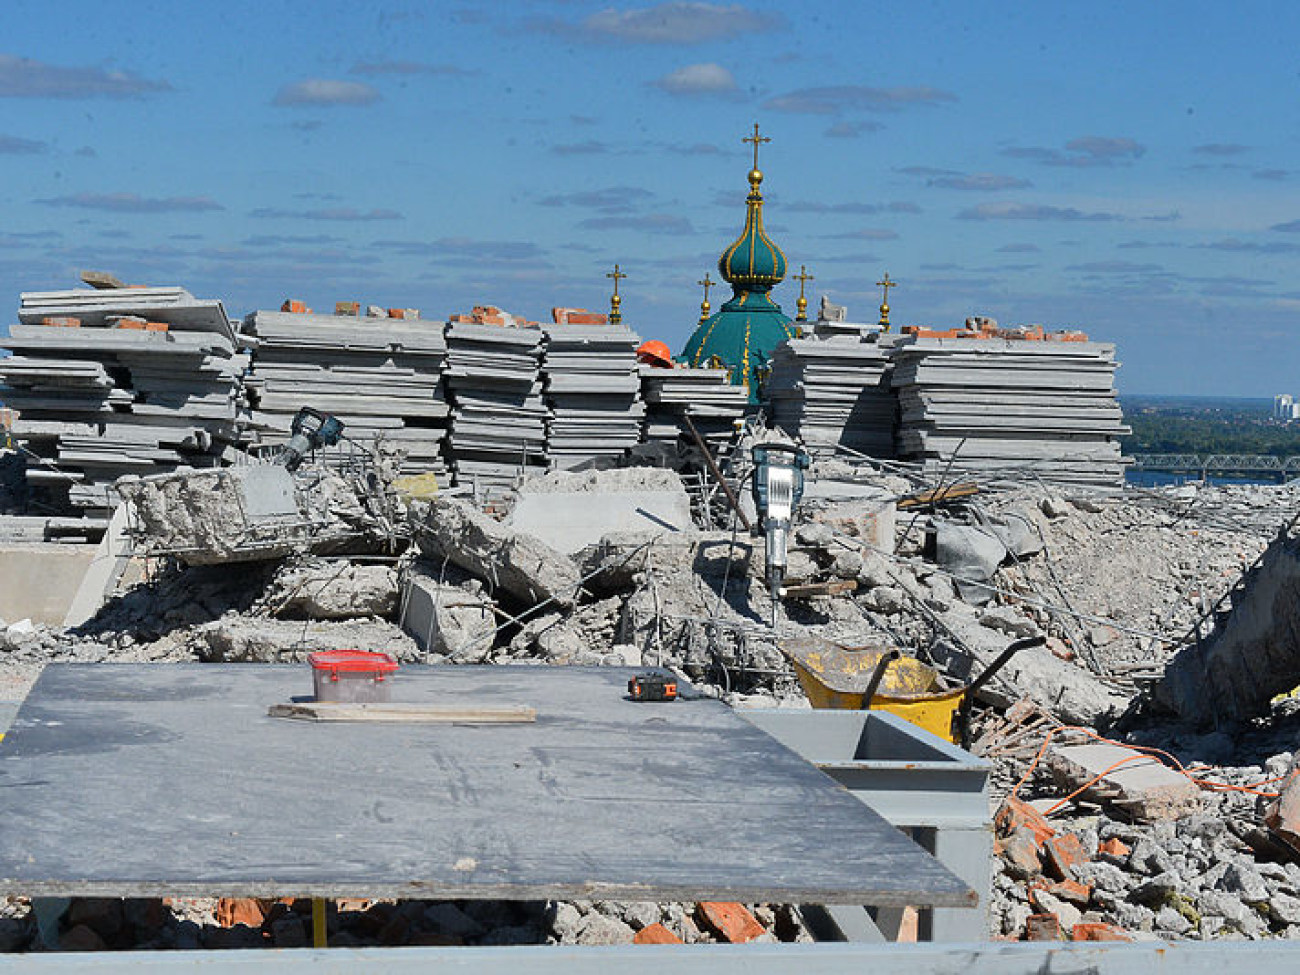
(1129, 169)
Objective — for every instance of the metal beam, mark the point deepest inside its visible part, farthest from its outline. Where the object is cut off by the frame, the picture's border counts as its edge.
(1212, 958)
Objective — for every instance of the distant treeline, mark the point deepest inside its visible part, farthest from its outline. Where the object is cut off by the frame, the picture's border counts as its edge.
(1167, 425)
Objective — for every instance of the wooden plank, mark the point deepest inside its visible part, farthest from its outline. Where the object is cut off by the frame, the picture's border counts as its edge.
(408, 713)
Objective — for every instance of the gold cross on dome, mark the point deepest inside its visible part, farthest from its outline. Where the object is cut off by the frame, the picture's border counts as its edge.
(707, 284)
(615, 300)
(885, 284)
(803, 277)
(617, 275)
(757, 140)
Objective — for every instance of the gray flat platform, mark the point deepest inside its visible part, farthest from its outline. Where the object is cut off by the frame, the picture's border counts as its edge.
(170, 780)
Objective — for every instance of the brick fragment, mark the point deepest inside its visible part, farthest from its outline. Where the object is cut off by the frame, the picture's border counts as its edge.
(296, 306)
(1063, 852)
(239, 910)
(157, 327)
(730, 921)
(1072, 891)
(656, 934)
(352, 308)
(1043, 927)
(1016, 813)
(1114, 847)
(61, 321)
(1020, 850)
(1098, 931)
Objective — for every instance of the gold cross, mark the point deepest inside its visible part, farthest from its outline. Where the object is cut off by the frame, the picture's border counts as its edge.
(802, 304)
(707, 285)
(801, 277)
(615, 301)
(617, 275)
(757, 140)
(886, 284)
(705, 307)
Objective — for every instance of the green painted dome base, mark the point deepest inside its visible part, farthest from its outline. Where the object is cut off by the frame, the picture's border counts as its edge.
(742, 335)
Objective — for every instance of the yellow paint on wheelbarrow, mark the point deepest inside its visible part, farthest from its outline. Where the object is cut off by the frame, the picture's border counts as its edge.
(837, 677)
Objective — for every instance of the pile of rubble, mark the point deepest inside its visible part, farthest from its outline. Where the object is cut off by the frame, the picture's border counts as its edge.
(953, 581)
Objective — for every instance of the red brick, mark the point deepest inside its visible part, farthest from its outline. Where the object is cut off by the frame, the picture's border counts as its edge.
(1114, 847)
(296, 306)
(1015, 813)
(61, 321)
(1021, 852)
(1072, 891)
(397, 313)
(157, 327)
(352, 308)
(730, 921)
(1061, 853)
(1043, 927)
(1098, 931)
(239, 910)
(656, 934)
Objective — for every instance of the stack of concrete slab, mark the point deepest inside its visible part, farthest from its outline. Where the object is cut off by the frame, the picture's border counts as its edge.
(381, 376)
(705, 395)
(1011, 405)
(119, 381)
(832, 389)
(593, 390)
(498, 426)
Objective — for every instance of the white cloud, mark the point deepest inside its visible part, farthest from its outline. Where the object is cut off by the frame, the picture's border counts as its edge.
(698, 79)
(325, 92)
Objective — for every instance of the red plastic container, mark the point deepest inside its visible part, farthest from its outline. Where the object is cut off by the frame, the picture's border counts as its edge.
(351, 675)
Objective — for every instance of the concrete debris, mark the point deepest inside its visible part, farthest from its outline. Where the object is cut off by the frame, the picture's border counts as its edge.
(255, 513)
(1137, 784)
(512, 562)
(319, 589)
(244, 639)
(446, 620)
(570, 511)
(1250, 648)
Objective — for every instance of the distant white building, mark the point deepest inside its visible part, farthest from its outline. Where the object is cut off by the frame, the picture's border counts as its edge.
(1285, 408)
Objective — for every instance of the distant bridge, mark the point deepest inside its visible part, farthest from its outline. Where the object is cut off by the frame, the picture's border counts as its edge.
(1282, 467)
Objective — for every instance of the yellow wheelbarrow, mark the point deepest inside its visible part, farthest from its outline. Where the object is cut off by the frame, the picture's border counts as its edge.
(861, 678)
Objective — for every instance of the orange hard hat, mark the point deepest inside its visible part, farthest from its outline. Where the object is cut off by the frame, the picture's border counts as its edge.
(654, 353)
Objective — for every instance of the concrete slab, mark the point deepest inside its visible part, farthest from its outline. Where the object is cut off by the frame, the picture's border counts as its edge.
(1140, 784)
(145, 781)
(570, 522)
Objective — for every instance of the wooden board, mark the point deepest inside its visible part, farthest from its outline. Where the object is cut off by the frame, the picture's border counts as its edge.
(466, 713)
(148, 780)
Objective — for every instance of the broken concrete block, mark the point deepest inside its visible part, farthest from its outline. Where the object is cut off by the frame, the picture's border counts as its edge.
(1138, 784)
(1068, 692)
(324, 590)
(571, 510)
(446, 619)
(242, 639)
(511, 561)
(872, 522)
